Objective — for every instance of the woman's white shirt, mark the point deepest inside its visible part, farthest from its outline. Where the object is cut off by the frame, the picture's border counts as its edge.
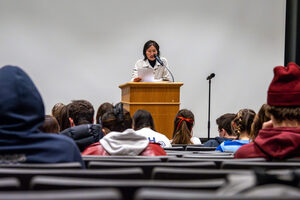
(160, 72)
(195, 140)
(154, 137)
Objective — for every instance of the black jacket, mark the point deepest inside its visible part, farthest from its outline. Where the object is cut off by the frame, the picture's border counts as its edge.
(84, 135)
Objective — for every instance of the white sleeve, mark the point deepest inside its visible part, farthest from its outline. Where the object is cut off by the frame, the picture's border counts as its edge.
(135, 70)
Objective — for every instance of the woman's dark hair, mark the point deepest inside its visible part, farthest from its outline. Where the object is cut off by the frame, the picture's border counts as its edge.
(142, 119)
(149, 44)
(103, 108)
(50, 125)
(118, 119)
(183, 124)
(242, 122)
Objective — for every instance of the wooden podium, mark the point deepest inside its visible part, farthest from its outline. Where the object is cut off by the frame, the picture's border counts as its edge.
(161, 99)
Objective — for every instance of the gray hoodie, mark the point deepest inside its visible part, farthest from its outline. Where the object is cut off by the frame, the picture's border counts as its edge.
(127, 143)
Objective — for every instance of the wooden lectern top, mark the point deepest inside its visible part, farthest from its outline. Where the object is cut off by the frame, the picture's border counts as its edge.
(151, 84)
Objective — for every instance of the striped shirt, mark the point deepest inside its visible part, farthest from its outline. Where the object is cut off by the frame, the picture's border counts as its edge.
(231, 145)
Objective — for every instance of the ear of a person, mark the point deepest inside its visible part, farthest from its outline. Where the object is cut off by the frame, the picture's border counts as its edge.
(71, 122)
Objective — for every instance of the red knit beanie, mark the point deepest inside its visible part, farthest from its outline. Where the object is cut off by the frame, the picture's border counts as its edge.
(284, 89)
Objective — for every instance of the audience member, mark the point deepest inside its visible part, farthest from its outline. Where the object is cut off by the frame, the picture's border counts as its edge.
(224, 129)
(121, 139)
(241, 127)
(56, 110)
(261, 117)
(21, 114)
(281, 140)
(183, 125)
(143, 124)
(82, 130)
(50, 125)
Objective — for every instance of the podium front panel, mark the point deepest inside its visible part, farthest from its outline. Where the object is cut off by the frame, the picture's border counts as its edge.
(162, 100)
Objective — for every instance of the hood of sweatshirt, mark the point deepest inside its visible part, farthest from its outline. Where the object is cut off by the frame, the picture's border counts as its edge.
(279, 143)
(21, 106)
(127, 142)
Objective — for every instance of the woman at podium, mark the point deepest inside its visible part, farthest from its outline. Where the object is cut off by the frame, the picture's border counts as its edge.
(151, 62)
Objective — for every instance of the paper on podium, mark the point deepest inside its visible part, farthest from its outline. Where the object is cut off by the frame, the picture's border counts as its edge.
(146, 74)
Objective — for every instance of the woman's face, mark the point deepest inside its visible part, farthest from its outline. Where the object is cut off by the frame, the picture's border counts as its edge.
(150, 52)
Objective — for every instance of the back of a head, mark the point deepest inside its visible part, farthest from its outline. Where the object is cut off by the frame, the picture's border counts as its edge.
(21, 106)
(242, 122)
(81, 111)
(56, 110)
(183, 124)
(261, 117)
(103, 108)
(63, 121)
(284, 94)
(224, 122)
(117, 120)
(50, 125)
(142, 119)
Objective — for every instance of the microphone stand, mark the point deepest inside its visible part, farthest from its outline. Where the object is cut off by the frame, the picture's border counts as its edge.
(208, 125)
(209, 91)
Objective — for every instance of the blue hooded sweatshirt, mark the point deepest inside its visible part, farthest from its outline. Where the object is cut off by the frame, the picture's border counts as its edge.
(21, 113)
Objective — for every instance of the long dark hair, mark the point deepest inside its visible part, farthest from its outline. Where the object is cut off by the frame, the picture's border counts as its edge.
(149, 44)
(183, 124)
(142, 119)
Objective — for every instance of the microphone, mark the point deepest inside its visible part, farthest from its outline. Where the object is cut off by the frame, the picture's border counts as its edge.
(210, 76)
(158, 59)
(162, 64)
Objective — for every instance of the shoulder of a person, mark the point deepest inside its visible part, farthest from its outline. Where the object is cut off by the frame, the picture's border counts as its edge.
(245, 151)
(59, 138)
(163, 59)
(140, 62)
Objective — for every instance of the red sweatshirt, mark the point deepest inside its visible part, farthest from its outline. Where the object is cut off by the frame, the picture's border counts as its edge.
(273, 143)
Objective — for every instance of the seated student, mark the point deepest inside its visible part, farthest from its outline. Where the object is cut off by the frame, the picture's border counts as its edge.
(241, 127)
(21, 114)
(143, 124)
(121, 139)
(281, 139)
(224, 128)
(82, 130)
(183, 125)
(50, 125)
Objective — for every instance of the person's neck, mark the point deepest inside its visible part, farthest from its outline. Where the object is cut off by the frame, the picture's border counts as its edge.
(244, 136)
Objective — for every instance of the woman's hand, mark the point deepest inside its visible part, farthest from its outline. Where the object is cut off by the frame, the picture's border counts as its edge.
(137, 79)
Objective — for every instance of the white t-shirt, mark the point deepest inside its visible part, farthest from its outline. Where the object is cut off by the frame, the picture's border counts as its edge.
(155, 137)
(196, 140)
